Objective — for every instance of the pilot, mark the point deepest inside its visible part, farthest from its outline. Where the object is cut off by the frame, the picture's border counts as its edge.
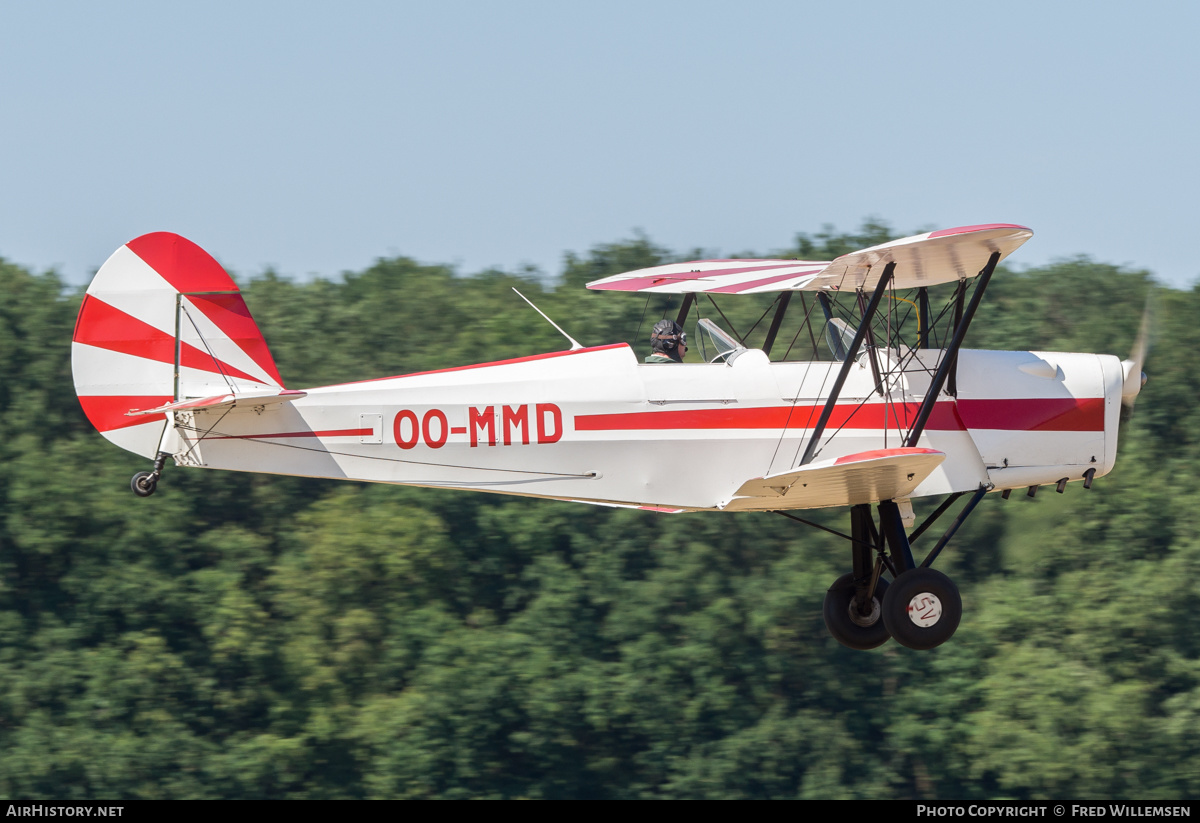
(669, 342)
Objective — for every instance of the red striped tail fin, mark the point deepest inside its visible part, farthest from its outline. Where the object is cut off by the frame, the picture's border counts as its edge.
(162, 322)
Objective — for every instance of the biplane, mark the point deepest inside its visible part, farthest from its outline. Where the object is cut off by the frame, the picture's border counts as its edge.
(882, 405)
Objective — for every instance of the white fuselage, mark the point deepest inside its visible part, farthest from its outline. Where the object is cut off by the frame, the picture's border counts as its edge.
(596, 425)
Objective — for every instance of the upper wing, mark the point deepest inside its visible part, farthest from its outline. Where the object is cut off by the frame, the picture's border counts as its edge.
(716, 276)
(866, 477)
(922, 260)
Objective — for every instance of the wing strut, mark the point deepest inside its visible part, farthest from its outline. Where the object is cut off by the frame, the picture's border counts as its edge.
(872, 355)
(951, 355)
(923, 318)
(868, 315)
(688, 300)
(891, 524)
(960, 295)
(784, 299)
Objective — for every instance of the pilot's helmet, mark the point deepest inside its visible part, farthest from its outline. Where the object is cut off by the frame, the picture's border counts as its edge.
(667, 336)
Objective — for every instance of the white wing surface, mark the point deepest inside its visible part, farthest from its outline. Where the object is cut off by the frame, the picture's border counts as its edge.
(866, 477)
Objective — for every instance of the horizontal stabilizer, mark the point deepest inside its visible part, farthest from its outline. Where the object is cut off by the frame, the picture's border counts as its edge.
(927, 259)
(865, 477)
(250, 398)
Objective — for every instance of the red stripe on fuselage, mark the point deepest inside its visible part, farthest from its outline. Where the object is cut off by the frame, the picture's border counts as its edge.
(1067, 414)
(1061, 414)
(851, 416)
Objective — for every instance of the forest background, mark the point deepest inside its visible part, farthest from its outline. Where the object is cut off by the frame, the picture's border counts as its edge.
(243, 635)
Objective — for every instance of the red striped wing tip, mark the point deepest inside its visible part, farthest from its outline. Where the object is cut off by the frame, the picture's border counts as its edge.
(979, 227)
(878, 454)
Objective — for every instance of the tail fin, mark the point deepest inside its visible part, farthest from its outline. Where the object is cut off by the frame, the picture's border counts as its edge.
(161, 322)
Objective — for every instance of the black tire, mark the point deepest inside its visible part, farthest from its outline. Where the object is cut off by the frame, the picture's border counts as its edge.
(143, 484)
(922, 608)
(850, 629)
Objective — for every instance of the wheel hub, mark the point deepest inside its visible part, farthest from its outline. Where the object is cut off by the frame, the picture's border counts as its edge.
(925, 609)
(868, 619)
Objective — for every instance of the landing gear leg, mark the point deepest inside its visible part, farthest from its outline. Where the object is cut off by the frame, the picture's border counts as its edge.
(854, 603)
(144, 484)
(922, 608)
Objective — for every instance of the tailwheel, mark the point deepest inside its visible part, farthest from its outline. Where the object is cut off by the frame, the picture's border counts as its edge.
(144, 484)
(852, 625)
(922, 608)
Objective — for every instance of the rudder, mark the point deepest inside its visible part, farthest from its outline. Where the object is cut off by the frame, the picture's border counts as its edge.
(162, 321)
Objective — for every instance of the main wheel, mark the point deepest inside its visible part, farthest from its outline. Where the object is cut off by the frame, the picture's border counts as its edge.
(143, 484)
(847, 624)
(922, 608)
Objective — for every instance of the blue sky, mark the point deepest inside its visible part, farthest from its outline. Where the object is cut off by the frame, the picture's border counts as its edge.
(315, 138)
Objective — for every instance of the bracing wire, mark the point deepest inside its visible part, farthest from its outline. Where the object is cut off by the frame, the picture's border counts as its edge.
(207, 348)
(902, 366)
